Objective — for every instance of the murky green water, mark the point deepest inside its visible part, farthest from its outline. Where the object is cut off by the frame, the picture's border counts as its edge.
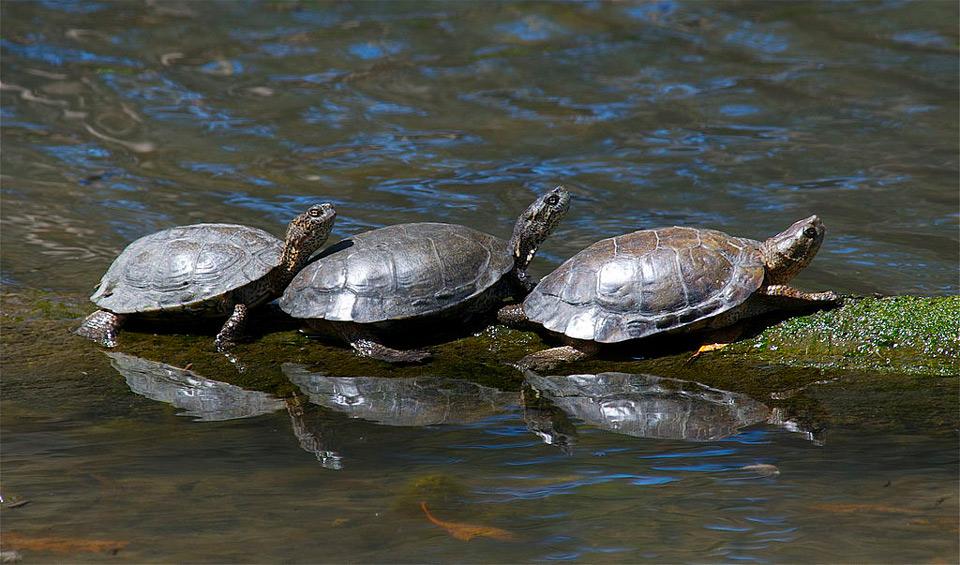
(120, 119)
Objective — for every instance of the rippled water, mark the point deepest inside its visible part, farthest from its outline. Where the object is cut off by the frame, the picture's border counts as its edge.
(122, 118)
(608, 467)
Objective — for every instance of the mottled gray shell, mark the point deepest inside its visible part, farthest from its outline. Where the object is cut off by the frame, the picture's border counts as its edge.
(398, 272)
(183, 267)
(646, 282)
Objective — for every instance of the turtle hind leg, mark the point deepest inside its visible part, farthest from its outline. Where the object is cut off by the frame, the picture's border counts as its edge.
(366, 344)
(790, 296)
(555, 356)
(376, 350)
(101, 327)
(513, 316)
(233, 328)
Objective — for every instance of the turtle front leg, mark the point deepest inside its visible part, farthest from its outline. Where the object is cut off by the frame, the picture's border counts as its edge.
(803, 299)
(101, 327)
(512, 315)
(232, 328)
(366, 344)
(555, 356)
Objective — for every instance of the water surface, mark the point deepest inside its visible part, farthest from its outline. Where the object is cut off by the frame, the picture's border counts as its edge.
(121, 118)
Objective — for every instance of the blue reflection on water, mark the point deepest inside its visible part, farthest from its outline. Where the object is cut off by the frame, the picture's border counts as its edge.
(85, 155)
(758, 436)
(530, 28)
(73, 6)
(652, 10)
(921, 38)
(280, 50)
(711, 452)
(375, 50)
(759, 40)
(59, 56)
(701, 468)
(737, 110)
(517, 492)
(727, 528)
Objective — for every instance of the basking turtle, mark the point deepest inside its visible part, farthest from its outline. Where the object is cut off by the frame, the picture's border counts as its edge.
(669, 279)
(208, 270)
(410, 276)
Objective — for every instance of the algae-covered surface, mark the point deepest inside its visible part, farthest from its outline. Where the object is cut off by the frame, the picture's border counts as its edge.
(903, 335)
(888, 337)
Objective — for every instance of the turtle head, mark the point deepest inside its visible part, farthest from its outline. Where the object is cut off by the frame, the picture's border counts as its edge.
(536, 223)
(307, 233)
(788, 252)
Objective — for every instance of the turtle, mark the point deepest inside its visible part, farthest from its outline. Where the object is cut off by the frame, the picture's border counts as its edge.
(206, 270)
(675, 279)
(407, 278)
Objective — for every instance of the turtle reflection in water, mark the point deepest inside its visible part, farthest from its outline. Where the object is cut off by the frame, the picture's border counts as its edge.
(417, 401)
(204, 399)
(208, 400)
(651, 407)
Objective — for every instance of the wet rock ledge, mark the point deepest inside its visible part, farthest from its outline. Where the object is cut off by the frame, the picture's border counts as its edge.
(899, 334)
(902, 335)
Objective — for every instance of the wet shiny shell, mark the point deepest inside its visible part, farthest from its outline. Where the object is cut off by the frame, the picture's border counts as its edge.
(186, 266)
(398, 272)
(645, 282)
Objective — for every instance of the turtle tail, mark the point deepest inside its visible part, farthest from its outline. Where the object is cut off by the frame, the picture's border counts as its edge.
(101, 327)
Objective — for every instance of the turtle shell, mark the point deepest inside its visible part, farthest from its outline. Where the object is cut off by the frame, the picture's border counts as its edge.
(183, 267)
(646, 282)
(398, 272)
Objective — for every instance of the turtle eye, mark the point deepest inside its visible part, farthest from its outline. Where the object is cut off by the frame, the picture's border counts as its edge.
(314, 212)
(553, 199)
(810, 232)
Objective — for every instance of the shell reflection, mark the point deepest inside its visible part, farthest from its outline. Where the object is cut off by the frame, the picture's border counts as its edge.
(207, 400)
(651, 407)
(201, 398)
(417, 401)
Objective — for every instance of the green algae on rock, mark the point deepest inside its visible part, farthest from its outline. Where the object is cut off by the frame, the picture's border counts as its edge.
(900, 334)
(895, 335)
